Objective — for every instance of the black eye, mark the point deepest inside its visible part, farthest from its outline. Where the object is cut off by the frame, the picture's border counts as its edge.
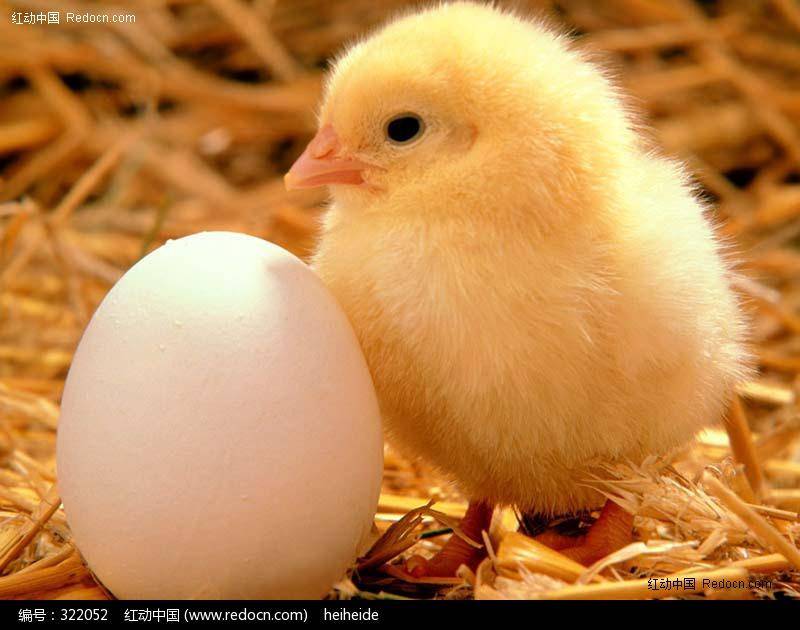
(404, 128)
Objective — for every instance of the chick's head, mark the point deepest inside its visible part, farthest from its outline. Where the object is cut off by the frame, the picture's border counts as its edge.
(463, 101)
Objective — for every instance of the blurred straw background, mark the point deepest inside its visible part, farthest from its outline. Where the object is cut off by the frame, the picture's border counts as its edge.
(116, 137)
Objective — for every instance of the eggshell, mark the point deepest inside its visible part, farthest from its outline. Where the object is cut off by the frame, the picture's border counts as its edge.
(219, 434)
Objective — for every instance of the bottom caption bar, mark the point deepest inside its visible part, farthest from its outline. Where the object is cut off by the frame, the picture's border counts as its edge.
(353, 612)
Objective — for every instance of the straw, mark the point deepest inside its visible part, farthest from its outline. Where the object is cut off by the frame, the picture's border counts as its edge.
(115, 139)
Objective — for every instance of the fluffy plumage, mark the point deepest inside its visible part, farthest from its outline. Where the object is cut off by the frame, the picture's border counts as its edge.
(535, 293)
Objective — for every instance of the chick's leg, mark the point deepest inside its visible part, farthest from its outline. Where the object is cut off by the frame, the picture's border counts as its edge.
(610, 532)
(457, 551)
(557, 541)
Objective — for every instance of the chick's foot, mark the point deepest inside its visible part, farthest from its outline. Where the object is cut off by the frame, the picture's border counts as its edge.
(610, 532)
(456, 551)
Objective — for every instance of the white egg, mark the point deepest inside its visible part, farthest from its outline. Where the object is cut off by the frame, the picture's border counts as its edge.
(219, 434)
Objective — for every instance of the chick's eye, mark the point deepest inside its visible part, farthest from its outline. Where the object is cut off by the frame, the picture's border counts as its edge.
(404, 128)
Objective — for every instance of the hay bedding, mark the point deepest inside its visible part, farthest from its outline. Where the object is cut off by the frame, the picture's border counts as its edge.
(114, 138)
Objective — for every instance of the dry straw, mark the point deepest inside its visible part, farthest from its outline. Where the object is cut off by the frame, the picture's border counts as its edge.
(114, 138)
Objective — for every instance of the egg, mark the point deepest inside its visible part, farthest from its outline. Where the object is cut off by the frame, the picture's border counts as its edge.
(219, 434)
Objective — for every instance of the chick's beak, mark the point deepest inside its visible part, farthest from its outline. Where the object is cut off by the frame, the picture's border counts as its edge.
(322, 163)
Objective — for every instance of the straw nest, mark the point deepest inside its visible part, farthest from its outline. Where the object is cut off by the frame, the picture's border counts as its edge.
(115, 137)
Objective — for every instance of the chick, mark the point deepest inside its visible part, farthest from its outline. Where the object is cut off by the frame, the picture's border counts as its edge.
(537, 295)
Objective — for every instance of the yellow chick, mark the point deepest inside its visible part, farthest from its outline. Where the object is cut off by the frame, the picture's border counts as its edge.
(536, 293)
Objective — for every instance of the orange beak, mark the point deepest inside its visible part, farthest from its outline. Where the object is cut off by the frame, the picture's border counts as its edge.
(322, 163)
